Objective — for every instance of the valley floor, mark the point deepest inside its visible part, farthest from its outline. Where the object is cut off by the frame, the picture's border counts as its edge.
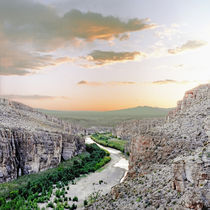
(101, 181)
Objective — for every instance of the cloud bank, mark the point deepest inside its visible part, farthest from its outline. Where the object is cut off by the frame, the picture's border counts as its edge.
(14, 61)
(29, 30)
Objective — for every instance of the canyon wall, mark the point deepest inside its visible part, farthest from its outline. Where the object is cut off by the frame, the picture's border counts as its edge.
(31, 141)
(131, 129)
(169, 160)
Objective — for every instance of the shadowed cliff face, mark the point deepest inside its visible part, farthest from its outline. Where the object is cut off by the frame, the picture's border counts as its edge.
(169, 160)
(31, 141)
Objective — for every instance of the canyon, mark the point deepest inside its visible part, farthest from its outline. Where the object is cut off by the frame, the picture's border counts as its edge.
(31, 141)
(169, 159)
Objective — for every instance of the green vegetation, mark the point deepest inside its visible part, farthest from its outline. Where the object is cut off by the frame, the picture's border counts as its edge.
(108, 118)
(108, 140)
(85, 202)
(75, 199)
(27, 191)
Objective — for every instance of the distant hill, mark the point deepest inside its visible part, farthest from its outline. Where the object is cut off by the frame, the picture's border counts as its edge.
(141, 111)
(108, 118)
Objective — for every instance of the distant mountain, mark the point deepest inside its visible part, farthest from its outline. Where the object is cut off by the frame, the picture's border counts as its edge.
(142, 111)
(108, 118)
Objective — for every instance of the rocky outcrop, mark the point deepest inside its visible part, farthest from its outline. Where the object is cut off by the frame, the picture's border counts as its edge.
(169, 161)
(71, 146)
(129, 129)
(31, 141)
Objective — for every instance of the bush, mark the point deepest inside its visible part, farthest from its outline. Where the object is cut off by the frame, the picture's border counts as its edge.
(75, 198)
(2, 201)
(50, 204)
(73, 206)
(100, 181)
(85, 202)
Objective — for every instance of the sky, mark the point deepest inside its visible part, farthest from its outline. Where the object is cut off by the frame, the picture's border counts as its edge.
(103, 54)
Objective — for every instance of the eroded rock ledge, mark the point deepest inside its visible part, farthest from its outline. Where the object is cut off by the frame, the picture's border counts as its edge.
(31, 141)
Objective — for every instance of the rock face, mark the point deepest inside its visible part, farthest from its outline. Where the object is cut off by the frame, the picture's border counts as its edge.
(169, 160)
(31, 141)
(133, 129)
(130, 129)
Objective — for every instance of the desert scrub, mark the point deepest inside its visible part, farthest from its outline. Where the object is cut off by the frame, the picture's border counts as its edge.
(25, 192)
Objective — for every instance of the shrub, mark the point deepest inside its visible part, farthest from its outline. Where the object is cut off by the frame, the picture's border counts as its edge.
(100, 181)
(57, 193)
(75, 198)
(2, 201)
(73, 206)
(85, 202)
(50, 204)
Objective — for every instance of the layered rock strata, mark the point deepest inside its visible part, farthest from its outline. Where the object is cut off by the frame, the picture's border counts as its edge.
(31, 141)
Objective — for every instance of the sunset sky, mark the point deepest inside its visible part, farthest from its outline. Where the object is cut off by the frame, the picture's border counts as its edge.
(103, 54)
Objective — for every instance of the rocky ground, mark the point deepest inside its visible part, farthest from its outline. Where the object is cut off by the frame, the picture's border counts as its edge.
(169, 161)
(31, 141)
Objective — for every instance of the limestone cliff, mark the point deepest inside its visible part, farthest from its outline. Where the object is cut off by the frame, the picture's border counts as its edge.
(169, 160)
(31, 141)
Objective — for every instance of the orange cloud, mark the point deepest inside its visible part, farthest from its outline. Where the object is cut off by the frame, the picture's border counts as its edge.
(92, 26)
